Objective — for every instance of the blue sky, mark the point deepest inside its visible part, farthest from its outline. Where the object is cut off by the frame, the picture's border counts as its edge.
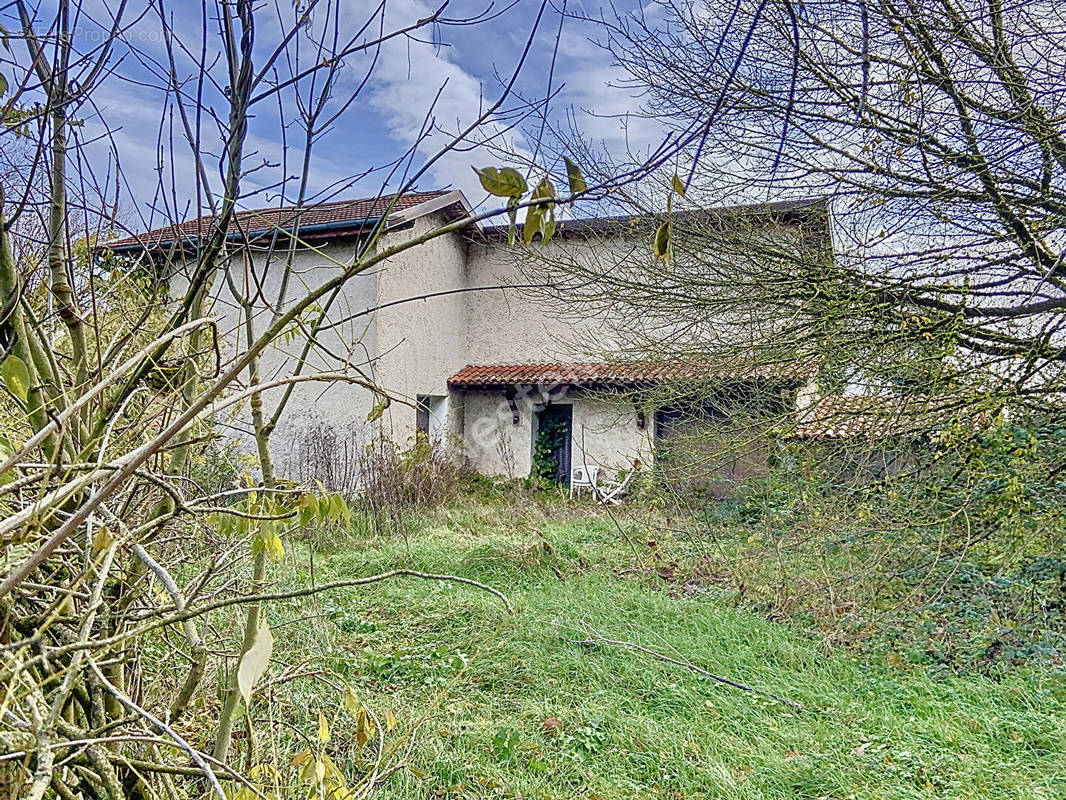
(465, 63)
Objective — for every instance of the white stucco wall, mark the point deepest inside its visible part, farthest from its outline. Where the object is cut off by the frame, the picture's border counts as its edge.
(410, 348)
(518, 326)
(420, 343)
(521, 326)
(348, 344)
(604, 432)
(492, 443)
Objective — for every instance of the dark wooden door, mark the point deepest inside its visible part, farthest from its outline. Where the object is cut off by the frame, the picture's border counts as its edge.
(555, 428)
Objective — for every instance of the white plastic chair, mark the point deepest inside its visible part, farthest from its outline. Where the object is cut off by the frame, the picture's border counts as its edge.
(610, 492)
(583, 476)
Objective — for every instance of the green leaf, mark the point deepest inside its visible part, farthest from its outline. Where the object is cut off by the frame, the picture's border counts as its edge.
(264, 772)
(364, 726)
(351, 700)
(255, 661)
(534, 217)
(323, 728)
(663, 245)
(102, 540)
(544, 191)
(678, 186)
(540, 218)
(16, 377)
(338, 509)
(267, 541)
(3, 85)
(305, 760)
(308, 509)
(574, 176)
(503, 182)
(6, 451)
(547, 230)
(379, 408)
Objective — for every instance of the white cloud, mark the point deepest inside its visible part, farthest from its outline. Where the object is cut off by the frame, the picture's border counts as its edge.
(413, 77)
(410, 76)
(606, 109)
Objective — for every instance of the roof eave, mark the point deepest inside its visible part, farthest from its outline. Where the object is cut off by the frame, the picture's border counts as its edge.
(621, 225)
(317, 230)
(320, 230)
(624, 383)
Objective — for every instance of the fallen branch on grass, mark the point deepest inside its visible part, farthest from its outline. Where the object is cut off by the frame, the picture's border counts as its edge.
(190, 613)
(600, 639)
(342, 584)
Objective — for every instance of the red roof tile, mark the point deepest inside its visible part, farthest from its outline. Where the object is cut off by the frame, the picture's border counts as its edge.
(265, 220)
(617, 373)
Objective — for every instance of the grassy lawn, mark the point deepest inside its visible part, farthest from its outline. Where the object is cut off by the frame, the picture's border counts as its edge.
(476, 684)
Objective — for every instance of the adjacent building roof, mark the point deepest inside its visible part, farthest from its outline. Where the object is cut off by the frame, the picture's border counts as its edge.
(340, 218)
(809, 210)
(882, 415)
(624, 373)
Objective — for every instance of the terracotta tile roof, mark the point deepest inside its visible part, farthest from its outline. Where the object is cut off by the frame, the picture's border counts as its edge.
(618, 373)
(264, 220)
(880, 416)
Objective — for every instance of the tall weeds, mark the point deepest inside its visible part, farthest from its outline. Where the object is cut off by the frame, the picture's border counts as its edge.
(383, 480)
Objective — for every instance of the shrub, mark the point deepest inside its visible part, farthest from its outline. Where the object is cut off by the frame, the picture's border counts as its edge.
(217, 465)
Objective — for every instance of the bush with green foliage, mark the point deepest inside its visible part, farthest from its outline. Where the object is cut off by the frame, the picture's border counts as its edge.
(954, 561)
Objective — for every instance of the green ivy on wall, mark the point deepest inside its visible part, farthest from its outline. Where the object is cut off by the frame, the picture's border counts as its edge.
(551, 436)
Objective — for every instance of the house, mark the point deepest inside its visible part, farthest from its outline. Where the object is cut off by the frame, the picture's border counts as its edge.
(456, 328)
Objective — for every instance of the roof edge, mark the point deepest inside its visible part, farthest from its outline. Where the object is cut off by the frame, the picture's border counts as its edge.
(622, 373)
(588, 225)
(170, 236)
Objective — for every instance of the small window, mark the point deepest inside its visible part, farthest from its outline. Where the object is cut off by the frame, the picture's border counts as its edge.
(422, 414)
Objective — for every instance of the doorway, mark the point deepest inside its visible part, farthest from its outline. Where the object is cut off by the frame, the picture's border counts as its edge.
(551, 444)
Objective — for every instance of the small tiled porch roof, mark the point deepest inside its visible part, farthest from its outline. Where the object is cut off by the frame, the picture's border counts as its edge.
(624, 373)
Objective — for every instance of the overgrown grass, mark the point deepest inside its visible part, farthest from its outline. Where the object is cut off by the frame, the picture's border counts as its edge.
(476, 685)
